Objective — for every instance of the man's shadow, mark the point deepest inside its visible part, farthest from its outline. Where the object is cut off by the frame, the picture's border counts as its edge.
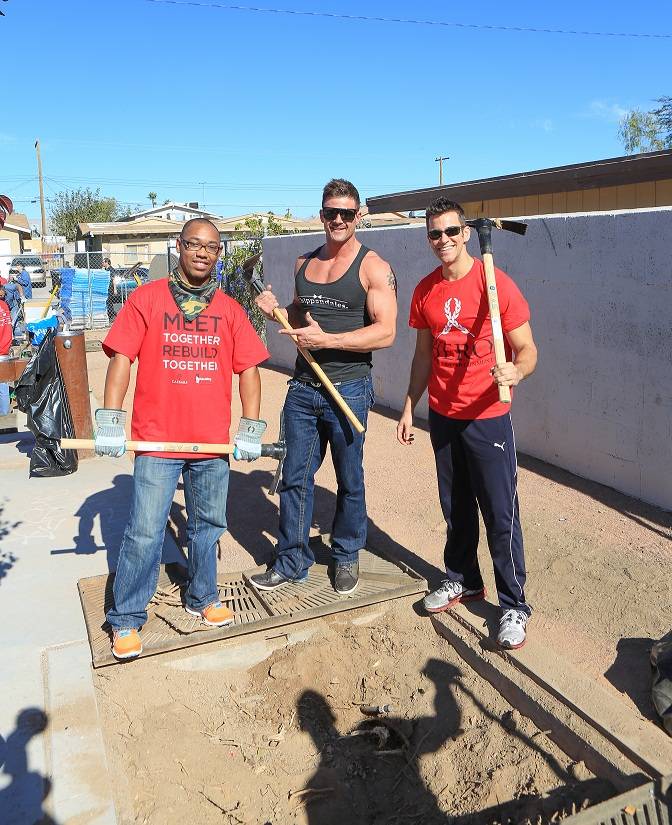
(112, 507)
(355, 781)
(21, 801)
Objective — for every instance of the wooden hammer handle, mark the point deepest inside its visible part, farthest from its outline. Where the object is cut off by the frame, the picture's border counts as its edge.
(321, 374)
(496, 321)
(153, 446)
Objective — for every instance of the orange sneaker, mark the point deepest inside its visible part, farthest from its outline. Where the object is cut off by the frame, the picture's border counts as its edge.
(214, 615)
(126, 644)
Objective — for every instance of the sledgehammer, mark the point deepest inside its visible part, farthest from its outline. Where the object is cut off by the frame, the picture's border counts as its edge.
(484, 228)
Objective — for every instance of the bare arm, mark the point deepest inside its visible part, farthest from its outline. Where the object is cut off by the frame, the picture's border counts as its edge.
(524, 360)
(381, 304)
(249, 388)
(116, 381)
(421, 368)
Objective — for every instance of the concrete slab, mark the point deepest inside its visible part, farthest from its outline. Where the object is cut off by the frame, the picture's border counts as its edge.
(76, 759)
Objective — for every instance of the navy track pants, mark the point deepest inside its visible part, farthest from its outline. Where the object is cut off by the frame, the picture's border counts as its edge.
(476, 467)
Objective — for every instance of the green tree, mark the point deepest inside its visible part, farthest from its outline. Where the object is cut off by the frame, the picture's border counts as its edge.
(152, 196)
(647, 131)
(236, 286)
(74, 206)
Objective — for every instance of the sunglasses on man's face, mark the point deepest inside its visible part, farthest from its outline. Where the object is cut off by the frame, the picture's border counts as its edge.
(330, 213)
(449, 232)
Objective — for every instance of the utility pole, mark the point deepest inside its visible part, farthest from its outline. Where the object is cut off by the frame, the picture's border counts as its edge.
(203, 182)
(39, 175)
(440, 162)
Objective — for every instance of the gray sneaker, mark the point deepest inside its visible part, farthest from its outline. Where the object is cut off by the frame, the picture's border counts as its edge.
(346, 578)
(448, 594)
(512, 629)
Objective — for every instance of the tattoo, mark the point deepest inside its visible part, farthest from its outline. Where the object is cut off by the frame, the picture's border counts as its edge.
(392, 281)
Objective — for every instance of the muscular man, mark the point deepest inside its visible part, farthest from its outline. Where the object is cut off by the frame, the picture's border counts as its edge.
(189, 338)
(344, 307)
(470, 429)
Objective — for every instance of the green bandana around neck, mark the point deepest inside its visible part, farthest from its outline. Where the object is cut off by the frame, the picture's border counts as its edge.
(191, 300)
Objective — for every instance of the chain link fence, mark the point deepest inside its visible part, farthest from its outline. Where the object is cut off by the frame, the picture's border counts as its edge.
(88, 289)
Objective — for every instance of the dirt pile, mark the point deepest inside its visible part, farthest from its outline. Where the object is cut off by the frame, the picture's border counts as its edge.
(287, 742)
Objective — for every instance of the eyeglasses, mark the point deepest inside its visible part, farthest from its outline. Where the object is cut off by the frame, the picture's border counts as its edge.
(331, 212)
(212, 248)
(449, 232)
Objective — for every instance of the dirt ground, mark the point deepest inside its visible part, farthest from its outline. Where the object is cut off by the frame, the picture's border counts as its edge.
(598, 567)
(286, 741)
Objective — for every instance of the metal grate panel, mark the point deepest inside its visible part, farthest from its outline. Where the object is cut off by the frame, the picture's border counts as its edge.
(170, 627)
(650, 804)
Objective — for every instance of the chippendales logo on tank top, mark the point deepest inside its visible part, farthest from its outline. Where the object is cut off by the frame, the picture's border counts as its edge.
(191, 346)
(322, 301)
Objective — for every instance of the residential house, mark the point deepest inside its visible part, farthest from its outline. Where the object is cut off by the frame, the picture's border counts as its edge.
(15, 238)
(629, 182)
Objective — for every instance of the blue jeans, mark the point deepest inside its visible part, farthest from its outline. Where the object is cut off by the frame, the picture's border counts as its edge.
(206, 483)
(313, 421)
(4, 399)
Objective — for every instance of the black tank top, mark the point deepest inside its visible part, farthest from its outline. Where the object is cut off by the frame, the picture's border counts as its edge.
(337, 307)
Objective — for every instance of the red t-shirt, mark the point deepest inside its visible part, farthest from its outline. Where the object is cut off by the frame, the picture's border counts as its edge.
(463, 352)
(6, 335)
(185, 368)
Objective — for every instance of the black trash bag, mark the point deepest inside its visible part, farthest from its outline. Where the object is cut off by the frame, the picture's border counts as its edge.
(40, 393)
(661, 690)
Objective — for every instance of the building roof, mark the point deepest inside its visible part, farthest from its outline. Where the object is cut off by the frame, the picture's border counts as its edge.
(160, 227)
(599, 173)
(184, 207)
(18, 222)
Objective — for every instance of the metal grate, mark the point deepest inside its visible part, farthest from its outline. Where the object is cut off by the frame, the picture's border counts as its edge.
(170, 627)
(650, 804)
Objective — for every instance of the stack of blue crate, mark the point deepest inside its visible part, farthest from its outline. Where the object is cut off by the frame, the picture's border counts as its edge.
(84, 294)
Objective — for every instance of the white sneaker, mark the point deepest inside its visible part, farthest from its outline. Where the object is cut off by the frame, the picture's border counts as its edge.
(512, 629)
(448, 594)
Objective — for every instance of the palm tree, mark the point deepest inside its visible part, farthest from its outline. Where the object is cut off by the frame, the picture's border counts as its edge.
(152, 197)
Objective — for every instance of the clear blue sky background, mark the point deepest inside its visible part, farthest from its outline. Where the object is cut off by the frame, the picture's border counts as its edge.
(244, 110)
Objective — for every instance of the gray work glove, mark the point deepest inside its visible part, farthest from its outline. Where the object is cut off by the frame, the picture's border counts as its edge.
(110, 437)
(247, 442)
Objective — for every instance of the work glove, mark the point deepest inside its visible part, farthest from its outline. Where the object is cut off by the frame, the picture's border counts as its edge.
(247, 442)
(110, 437)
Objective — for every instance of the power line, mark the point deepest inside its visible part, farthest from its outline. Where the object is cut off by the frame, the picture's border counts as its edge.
(408, 21)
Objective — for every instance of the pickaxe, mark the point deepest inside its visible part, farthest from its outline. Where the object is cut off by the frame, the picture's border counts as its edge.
(276, 450)
(251, 275)
(484, 228)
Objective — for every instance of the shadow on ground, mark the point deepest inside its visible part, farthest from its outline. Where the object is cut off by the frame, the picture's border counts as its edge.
(21, 802)
(631, 673)
(357, 781)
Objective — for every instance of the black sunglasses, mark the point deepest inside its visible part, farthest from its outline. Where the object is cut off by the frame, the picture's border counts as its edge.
(330, 213)
(449, 232)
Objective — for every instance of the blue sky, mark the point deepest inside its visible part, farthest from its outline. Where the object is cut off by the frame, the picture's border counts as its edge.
(244, 110)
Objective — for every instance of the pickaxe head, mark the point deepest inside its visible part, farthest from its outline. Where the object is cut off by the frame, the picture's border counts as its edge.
(484, 227)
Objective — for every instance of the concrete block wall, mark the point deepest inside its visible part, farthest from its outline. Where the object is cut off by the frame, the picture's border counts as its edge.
(600, 291)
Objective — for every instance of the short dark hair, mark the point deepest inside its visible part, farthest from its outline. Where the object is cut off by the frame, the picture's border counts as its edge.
(197, 220)
(340, 188)
(441, 205)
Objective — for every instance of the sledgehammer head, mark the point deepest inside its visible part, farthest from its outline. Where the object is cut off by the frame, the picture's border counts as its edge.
(484, 227)
(248, 269)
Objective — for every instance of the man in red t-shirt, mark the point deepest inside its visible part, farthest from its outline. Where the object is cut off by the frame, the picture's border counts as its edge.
(189, 339)
(470, 429)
